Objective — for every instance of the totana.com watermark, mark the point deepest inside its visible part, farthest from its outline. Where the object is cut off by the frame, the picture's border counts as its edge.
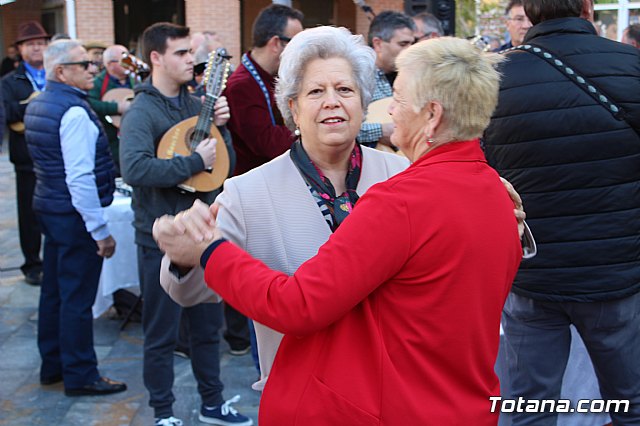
(522, 405)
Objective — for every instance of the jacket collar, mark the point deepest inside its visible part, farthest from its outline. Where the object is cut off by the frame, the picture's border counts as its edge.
(464, 151)
(561, 25)
(61, 87)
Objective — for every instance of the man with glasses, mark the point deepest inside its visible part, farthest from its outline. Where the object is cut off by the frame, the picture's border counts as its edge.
(427, 26)
(390, 33)
(18, 88)
(517, 24)
(114, 76)
(74, 181)
(257, 129)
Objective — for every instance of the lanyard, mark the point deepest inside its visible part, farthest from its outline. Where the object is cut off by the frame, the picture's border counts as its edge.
(36, 87)
(254, 73)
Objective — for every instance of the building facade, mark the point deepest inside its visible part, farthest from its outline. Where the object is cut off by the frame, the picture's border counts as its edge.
(123, 21)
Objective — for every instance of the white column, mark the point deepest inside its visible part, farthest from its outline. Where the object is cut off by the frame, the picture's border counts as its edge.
(71, 18)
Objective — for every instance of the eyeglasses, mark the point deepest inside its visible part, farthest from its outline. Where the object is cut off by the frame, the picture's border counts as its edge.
(83, 64)
(284, 39)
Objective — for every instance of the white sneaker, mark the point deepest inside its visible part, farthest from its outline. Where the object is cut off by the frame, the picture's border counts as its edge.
(168, 421)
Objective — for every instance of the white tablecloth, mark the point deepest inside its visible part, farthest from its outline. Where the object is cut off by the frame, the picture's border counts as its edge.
(121, 270)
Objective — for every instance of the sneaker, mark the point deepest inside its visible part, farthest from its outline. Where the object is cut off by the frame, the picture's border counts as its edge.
(240, 351)
(168, 421)
(224, 415)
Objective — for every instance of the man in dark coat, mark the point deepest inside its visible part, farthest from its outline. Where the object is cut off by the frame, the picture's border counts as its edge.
(566, 134)
(17, 88)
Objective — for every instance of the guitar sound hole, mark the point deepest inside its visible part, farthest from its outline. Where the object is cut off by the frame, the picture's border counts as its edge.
(188, 139)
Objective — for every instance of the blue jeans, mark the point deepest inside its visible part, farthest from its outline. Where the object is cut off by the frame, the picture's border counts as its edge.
(538, 340)
(69, 285)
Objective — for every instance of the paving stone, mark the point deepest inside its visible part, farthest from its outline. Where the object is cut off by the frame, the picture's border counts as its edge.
(23, 401)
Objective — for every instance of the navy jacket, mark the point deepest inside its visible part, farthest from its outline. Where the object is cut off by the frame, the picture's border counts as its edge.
(42, 120)
(15, 88)
(576, 165)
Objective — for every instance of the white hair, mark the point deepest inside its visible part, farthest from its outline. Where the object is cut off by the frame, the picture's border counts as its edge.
(57, 53)
(324, 43)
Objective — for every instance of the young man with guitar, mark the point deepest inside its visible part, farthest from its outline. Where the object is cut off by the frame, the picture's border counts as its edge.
(161, 102)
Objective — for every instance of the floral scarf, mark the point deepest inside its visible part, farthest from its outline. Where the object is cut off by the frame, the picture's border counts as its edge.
(339, 206)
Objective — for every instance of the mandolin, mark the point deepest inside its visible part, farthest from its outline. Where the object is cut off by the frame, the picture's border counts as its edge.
(183, 138)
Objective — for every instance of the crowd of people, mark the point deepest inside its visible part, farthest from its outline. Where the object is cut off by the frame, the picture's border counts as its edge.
(369, 286)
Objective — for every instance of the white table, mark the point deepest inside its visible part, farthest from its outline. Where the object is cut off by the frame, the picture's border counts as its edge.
(121, 270)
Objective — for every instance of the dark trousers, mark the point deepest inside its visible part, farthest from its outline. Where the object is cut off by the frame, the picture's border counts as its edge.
(160, 323)
(69, 285)
(30, 237)
(237, 331)
(538, 341)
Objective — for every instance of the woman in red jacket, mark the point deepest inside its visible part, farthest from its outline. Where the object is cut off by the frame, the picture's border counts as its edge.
(396, 320)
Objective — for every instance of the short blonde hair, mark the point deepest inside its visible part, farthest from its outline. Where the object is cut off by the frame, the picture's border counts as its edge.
(459, 76)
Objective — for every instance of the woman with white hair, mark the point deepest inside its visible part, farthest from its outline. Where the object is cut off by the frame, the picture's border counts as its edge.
(285, 210)
(395, 320)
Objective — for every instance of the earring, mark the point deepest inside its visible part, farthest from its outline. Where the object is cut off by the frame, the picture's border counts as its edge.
(296, 132)
(430, 140)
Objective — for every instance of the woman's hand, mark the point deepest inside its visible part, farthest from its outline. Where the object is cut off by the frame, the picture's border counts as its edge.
(187, 235)
(517, 202)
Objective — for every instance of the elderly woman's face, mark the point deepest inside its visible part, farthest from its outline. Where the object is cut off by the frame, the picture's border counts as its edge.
(409, 127)
(328, 110)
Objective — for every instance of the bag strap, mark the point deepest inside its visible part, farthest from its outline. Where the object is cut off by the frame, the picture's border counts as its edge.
(577, 77)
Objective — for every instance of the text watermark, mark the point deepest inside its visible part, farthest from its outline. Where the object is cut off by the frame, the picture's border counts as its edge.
(522, 405)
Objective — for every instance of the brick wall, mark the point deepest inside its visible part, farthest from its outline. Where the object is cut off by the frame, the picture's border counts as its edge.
(221, 16)
(12, 14)
(94, 20)
(362, 19)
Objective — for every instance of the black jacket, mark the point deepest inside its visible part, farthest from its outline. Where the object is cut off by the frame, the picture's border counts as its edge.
(15, 88)
(576, 165)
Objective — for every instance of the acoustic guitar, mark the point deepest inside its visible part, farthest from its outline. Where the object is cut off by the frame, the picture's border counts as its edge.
(183, 138)
(117, 95)
(378, 112)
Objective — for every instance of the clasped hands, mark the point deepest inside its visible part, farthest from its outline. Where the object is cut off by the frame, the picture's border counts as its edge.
(185, 236)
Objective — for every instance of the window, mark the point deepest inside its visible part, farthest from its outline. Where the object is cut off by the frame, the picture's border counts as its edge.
(613, 16)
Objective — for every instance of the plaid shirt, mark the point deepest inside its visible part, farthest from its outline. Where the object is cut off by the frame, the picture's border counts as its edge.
(370, 133)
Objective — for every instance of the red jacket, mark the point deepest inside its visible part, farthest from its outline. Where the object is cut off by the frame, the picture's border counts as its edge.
(255, 139)
(396, 320)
